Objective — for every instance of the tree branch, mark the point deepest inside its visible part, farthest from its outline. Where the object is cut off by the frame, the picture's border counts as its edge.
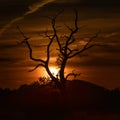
(73, 31)
(53, 24)
(36, 67)
(86, 46)
(92, 38)
(72, 74)
(48, 47)
(29, 47)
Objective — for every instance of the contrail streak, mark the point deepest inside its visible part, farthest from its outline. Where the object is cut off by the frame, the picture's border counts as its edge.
(33, 8)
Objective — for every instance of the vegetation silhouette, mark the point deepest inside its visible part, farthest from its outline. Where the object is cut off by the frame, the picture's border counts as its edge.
(65, 51)
(85, 101)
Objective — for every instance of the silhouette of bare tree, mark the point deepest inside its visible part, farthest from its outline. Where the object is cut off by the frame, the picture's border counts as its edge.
(65, 51)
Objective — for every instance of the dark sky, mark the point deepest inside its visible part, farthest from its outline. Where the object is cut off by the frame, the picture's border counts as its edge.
(18, 7)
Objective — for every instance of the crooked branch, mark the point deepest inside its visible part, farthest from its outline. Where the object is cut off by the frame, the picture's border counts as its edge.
(86, 46)
(29, 47)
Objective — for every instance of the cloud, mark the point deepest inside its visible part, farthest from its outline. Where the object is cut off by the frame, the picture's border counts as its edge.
(111, 34)
(9, 24)
(32, 8)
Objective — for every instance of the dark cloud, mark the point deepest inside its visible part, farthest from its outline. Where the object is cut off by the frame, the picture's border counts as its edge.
(100, 2)
(90, 2)
(17, 7)
(32, 8)
(90, 60)
(14, 7)
(8, 60)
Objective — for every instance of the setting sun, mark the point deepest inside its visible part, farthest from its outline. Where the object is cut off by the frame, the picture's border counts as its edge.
(54, 71)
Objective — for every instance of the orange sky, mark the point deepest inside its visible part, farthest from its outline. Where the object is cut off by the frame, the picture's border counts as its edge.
(96, 64)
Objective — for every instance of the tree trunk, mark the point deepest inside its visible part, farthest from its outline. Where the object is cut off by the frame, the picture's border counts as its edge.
(62, 77)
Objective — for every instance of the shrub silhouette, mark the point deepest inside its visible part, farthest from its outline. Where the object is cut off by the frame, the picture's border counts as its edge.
(5, 91)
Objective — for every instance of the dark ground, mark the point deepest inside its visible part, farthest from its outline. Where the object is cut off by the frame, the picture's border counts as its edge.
(82, 101)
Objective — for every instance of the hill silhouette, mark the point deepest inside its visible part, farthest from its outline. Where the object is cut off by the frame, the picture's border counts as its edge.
(83, 100)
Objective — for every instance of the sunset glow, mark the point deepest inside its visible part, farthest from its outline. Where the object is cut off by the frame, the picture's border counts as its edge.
(54, 71)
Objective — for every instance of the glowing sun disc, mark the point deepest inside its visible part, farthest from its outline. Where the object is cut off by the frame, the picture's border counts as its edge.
(54, 71)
